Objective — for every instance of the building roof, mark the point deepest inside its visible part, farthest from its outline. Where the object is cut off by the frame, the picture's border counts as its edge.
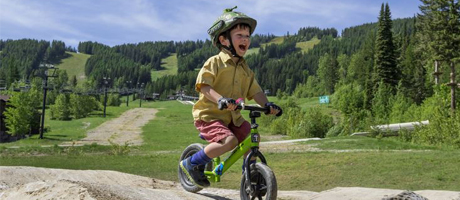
(4, 97)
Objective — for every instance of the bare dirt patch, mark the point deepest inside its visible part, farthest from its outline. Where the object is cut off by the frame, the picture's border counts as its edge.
(42, 183)
(125, 129)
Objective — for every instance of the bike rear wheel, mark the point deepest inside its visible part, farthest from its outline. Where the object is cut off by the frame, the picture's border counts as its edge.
(263, 184)
(183, 179)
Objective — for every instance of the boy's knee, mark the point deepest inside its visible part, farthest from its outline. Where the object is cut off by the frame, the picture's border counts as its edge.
(231, 142)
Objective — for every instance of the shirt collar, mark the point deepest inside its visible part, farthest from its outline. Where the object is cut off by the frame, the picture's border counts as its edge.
(226, 56)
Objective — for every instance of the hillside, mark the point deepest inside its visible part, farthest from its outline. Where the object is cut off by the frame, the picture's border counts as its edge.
(168, 65)
(74, 65)
(276, 40)
(306, 46)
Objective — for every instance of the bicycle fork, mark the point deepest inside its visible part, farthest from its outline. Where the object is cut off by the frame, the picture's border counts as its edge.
(247, 162)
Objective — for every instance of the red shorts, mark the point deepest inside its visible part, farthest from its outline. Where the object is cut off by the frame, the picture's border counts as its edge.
(216, 130)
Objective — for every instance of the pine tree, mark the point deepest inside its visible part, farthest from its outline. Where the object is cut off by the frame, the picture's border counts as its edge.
(12, 74)
(327, 73)
(385, 59)
(439, 24)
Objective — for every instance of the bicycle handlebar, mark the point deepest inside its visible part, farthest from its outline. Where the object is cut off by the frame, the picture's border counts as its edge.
(265, 110)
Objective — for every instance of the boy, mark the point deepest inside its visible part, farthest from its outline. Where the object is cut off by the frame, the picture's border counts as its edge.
(223, 78)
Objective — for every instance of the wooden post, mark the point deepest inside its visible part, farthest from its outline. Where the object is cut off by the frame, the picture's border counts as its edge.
(436, 72)
(453, 86)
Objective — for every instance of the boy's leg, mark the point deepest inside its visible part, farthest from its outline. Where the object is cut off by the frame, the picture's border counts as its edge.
(222, 140)
(218, 148)
(241, 133)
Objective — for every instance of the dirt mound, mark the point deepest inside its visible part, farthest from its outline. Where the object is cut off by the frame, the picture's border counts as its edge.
(42, 183)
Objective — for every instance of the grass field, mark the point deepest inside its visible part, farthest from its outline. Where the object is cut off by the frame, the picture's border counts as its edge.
(170, 67)
(276, 40)
(306, 46)
(74, 65)
(341, 161)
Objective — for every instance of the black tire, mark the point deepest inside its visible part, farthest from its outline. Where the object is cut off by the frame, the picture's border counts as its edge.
(263, 181)
(183, 179)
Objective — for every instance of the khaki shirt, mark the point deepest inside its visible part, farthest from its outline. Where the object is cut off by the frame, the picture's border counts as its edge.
(229, 80)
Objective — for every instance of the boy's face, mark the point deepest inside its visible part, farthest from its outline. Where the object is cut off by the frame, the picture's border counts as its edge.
(241, 40)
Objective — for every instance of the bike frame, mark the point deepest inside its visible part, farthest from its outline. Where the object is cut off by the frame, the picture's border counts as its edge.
(251, 142)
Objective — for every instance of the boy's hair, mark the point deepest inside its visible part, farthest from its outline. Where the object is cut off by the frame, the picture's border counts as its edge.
(226, 34)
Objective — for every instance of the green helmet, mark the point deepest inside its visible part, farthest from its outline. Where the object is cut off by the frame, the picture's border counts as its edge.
(227, 20)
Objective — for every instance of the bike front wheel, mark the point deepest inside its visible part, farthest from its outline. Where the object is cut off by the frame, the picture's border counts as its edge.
(262, 184)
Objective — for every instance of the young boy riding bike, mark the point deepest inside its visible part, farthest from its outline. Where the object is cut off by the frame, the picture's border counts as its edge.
(222, 79)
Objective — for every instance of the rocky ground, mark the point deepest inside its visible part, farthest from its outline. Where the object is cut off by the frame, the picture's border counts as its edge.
(42, 183)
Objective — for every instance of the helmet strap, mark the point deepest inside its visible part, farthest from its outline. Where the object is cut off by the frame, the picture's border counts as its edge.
(231, 48)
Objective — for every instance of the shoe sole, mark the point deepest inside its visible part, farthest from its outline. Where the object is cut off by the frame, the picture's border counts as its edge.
(188, 175)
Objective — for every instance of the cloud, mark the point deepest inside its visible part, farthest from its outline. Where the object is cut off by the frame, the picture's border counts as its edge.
(116, 22)
(34, 16)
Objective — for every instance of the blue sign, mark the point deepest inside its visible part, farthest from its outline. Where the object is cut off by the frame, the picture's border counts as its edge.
(324, 99)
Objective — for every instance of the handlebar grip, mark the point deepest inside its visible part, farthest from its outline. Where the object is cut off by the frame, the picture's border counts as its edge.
(221, 105)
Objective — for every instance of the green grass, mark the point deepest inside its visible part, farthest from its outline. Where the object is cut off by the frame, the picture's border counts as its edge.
(252, 51)
(276, 40)
(74, 65)
(170, 67)
(380, 163)
(306, 46)
(366, 143)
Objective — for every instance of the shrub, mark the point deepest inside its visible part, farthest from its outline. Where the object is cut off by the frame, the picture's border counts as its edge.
(112, 100)
(381, 104)
(400, 106)
(312, 123)
(61, 109)
(21, 112)
(348, 98)
(336, 130)
(82, 106)
(444, 127)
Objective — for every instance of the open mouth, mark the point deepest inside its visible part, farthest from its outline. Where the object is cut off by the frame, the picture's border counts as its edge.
(242, 47)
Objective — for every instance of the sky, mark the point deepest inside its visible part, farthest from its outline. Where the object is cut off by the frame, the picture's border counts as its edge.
(116, 22)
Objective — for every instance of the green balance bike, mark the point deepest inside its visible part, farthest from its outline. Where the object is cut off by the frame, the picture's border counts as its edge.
(258, 180)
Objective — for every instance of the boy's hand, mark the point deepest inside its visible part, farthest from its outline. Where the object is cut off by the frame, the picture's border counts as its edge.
(274, 109)
(228, 103)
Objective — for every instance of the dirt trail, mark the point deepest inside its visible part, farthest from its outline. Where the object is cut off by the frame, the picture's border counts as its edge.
(42, 183)
(121, 130)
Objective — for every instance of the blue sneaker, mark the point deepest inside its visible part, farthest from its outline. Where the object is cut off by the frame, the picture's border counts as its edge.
(194, 173)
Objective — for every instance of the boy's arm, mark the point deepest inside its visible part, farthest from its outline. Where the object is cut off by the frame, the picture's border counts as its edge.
(212, 95)
(262, 100)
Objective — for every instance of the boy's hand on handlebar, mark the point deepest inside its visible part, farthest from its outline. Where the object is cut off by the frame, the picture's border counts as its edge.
(228, 103)
(274, 109)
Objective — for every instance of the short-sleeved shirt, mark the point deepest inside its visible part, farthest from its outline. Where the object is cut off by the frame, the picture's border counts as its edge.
(229, 80)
